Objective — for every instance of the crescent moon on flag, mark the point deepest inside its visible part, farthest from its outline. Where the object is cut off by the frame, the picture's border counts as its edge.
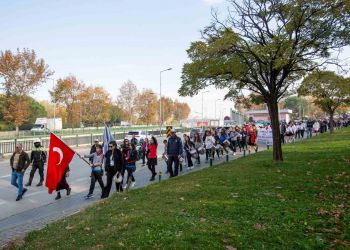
(59, 151)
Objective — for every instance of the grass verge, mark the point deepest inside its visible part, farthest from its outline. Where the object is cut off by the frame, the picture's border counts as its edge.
(249, 203)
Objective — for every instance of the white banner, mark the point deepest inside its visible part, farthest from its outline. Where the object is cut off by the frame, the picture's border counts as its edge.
(265, 136)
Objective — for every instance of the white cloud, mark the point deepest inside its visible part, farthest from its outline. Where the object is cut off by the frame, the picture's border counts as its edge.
(212, 2)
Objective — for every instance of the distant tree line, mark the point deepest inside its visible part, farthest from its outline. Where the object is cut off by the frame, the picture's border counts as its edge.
(77, 103)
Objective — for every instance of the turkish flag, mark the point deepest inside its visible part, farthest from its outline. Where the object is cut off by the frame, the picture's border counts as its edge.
(60, 155)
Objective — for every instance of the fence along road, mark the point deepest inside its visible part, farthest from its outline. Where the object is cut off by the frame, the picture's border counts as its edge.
(8, 146)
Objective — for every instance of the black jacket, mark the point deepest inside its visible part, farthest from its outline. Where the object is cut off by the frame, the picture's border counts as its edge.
(38, 156)
(174, 147)
(23, 162)
(118, 161)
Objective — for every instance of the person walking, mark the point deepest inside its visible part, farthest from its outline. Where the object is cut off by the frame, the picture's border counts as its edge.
(282, 131)
(234, 135)
(134, 140)
(19, 162)
(189, 150)
(96, 170)
(145, 151)
(289, 133)
(165, 154)
(316, 127)
(131, 159)
(38, 159)
(63, 184)
(244, 143)
(93, 148)
(197, 145)
(174, 152)
(253, 134)
(217, 144)
(113, 164)
(309, 126)
(152, 157)
(302, 129)
(209, 146)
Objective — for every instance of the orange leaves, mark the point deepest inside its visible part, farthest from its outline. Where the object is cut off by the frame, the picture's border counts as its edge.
(22, 73)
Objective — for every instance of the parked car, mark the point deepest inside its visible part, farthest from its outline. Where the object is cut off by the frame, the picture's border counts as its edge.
(138, 135)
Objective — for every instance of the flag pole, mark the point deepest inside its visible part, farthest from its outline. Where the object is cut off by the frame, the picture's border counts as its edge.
(72, 149)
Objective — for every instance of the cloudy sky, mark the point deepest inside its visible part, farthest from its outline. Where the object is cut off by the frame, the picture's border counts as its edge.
(108, 42)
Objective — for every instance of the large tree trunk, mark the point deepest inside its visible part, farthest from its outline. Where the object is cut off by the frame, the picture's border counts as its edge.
(275, 124)
(331, 120)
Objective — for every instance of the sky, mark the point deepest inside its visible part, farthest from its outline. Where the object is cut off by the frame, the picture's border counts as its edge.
(105, 43)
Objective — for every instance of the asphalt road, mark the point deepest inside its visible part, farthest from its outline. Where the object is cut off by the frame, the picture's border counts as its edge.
(38, 208)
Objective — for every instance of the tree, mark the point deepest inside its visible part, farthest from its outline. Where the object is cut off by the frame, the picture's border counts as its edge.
(21, 73)
(146, 106)
(95, 104)
(127, 97)
(330, 91)
(59, 111)
(35, 110)
(298, 105)
(181, 110)
(265, 46)
(116, 114)
(167, 110)
(67, 92)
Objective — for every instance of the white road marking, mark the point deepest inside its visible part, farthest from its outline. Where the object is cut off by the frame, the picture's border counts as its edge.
(5, 176)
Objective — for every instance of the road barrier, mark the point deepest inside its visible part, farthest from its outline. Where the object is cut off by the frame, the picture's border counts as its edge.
(8, 146)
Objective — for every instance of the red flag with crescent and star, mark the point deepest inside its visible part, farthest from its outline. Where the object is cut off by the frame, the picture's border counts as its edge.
(60, 155)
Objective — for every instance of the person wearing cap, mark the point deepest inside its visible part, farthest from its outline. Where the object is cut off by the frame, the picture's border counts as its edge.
(93, 149)
(38, 159)
(174, 152)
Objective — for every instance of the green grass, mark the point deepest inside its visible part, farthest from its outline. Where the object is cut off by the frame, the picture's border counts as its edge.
(250, 203)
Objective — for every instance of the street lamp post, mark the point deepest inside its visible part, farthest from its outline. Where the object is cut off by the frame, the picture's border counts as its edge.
(160, 100)
(215, 107)
(203, 108)
(54, 103)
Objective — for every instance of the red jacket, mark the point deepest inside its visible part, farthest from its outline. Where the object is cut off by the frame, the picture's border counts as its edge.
(152, 151)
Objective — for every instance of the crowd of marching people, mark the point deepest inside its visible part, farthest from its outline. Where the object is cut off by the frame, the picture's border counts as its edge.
(299, 130)
(118, 163)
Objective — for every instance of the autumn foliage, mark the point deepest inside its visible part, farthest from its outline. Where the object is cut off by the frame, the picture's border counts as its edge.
(77, 103)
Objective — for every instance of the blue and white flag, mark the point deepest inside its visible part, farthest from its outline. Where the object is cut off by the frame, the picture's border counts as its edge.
(107, 138)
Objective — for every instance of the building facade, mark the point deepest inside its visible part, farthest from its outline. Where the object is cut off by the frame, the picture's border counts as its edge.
(263, 115)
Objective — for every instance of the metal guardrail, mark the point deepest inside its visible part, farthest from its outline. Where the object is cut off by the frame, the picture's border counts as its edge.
(8, 135)
(8, 146)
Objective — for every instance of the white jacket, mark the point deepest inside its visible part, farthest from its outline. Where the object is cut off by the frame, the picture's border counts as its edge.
(316, 126)
(209, 142)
